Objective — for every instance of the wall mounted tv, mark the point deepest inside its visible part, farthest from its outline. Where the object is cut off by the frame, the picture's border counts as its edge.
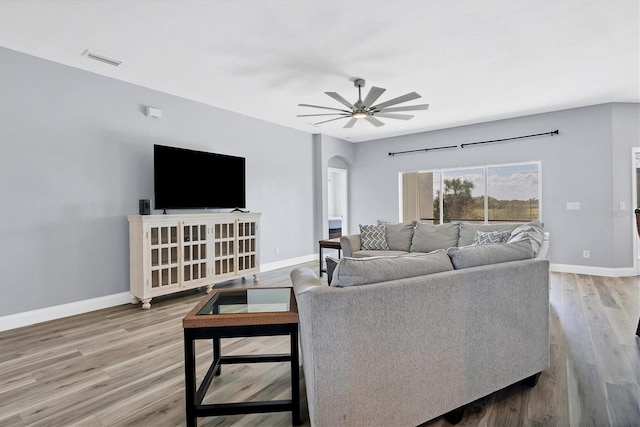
(189, 179)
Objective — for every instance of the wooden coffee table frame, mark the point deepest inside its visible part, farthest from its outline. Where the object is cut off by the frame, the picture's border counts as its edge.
(216, 326)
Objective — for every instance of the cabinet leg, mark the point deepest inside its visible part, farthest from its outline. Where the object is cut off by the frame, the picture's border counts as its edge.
(255, 278)
(209, 288)
(135, 300)
(146, 303)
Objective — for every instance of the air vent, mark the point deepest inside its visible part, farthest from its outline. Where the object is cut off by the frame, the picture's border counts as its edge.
(101, 58)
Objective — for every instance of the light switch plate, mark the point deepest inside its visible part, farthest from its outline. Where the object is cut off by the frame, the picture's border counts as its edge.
(573, 206)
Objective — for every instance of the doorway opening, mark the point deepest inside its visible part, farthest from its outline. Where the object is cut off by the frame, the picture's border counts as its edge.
(337, 202)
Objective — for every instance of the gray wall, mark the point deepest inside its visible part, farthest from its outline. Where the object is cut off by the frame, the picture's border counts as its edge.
(626, 134)
(76, 154)
(589, 162)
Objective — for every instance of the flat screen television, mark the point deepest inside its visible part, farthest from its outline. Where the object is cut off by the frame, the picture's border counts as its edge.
(189, 179)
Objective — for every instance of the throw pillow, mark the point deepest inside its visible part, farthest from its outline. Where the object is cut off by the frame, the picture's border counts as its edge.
(428, 238)
(486, 237)
(363, 271)
(531, 231)
(473, 256)
(373, 237)
(468, 230)
(331, 266)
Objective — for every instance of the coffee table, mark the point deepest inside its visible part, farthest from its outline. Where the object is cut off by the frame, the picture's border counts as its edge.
(230, 313)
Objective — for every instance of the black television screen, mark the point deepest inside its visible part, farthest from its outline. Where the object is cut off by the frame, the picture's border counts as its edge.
(189, 179)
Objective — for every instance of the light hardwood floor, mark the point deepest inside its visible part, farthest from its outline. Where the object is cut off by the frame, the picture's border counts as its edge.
(123, 366)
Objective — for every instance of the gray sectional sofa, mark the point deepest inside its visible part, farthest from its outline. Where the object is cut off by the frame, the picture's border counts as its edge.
(398, 341)
(404, 238)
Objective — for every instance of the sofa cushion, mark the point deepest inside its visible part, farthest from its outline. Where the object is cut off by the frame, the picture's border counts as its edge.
(372, 253)
(428, 238)
(373, 237)
(531, 231)
(485, 237)
(363, 271)
(399, 236)
(468, 230)
(473, 256)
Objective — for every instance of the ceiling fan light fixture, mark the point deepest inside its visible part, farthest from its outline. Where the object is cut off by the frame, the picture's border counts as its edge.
(367, 109)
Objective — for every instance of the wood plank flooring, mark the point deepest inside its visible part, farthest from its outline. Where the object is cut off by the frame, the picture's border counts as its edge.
(124, 367)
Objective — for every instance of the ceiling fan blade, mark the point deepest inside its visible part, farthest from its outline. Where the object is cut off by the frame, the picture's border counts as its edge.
(330, 120)
(377, 123)
(373, 95)
(398, 100)
(395, 116)
(407, 108)
(350, 123)
(324, 114)
(326, 108)
(340, 99)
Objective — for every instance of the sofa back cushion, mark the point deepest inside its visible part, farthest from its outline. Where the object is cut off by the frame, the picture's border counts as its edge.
(428, 238)
(468, 231)
(399, 236)
(473, 256)
(363, 271)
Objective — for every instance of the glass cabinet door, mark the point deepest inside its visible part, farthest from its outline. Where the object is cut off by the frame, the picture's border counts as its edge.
(163, 244)
(224, 235)
(247, 236)
(194, 252)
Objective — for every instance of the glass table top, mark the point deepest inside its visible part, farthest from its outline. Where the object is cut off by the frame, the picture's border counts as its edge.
(238, 301)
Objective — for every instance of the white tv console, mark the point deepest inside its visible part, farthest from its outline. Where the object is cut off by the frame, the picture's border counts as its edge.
(173, 253)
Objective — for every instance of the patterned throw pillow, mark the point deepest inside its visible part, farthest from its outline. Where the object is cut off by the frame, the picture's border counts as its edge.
(485, 237)
(373, 237)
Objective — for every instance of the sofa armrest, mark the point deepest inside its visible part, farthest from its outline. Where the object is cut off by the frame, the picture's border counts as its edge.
(350, 244)
(543, 252)
(303, 280)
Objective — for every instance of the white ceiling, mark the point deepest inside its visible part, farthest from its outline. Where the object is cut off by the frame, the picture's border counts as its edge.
(472, 61)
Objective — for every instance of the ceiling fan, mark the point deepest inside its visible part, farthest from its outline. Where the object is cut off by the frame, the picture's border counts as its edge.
(367, 109)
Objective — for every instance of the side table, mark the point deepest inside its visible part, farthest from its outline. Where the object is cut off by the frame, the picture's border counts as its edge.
(327, 244)
(230, 313)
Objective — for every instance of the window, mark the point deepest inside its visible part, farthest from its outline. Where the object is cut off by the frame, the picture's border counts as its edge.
(464, 192)
(494, 193)
(513, 192)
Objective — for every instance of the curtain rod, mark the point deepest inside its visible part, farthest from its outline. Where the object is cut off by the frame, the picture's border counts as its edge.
(555, 132)
(423, 149)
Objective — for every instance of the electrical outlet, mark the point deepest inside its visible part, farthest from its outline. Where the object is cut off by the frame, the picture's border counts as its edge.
(622, 206)
(277, 250)
(586, 253)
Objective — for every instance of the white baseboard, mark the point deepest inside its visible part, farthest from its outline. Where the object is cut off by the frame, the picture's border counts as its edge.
(593, 271)
(27, 318)
(287, 262)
